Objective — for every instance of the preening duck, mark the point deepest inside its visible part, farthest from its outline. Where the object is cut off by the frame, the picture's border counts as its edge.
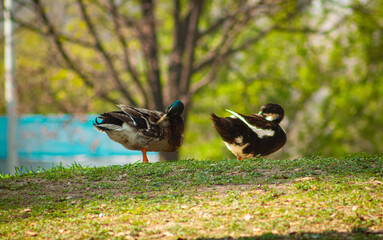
(143, 129)
(252, 136)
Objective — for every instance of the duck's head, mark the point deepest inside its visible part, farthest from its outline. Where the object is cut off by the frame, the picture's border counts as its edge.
(174, 109)
(272, 112)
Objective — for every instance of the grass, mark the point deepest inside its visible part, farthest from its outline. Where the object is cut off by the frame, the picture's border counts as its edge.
(305, 198)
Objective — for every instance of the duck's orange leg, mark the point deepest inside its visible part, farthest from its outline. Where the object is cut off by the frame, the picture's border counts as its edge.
(144, 157)
(239, 158)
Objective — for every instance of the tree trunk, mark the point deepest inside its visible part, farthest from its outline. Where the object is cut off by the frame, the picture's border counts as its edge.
(168, 156)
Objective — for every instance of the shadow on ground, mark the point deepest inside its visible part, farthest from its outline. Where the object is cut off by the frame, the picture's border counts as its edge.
(356, 234)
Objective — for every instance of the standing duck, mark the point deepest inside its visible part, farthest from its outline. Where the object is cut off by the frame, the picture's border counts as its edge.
(143, 129)
(252, 136)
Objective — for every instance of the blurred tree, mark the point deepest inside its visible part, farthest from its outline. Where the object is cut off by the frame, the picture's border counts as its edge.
(322, 60)
(149, 53)
(350, 113)
(328, 78)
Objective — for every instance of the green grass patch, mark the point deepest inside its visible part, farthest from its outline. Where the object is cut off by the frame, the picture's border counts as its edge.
(305, 198)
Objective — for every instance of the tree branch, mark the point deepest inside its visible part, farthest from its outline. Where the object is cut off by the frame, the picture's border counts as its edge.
(73, 66)
(226, 41)
(104, 54)
(61, 36)
(175, 65)
(250, 12)
(188, 59)
(207, 79)
(130, 68)
(219, 23)
(236, 25)
(225, 49)
(249, 41)
(214, 27)
(147, 35)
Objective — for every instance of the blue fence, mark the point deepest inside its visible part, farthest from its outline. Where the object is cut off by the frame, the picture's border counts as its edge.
(46, 140)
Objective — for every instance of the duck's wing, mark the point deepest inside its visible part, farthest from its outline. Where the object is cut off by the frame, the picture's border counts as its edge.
(258, 124)
(140, 120)
(144, 120)
(150, 115)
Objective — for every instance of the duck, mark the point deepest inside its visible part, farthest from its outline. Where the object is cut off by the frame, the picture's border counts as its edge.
(252, 136)
(144, 130)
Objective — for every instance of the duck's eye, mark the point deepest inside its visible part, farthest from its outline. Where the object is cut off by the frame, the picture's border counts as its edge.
(271, 116)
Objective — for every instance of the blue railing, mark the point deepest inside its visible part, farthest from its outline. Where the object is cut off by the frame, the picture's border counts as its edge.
(51, 139)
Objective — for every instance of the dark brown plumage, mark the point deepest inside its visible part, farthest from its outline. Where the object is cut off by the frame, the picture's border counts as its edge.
(252, 136)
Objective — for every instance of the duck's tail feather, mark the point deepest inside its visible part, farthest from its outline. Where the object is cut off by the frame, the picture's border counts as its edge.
(215, 119)
(108, 122)
(219, 121)
(222, 126)
(108, 127)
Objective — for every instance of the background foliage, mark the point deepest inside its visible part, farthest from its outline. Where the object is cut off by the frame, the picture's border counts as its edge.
(323, 65)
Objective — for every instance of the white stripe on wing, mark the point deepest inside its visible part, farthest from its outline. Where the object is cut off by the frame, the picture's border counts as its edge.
(259, 131)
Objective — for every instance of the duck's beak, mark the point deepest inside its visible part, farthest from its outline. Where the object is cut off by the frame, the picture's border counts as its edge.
(163, 118)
